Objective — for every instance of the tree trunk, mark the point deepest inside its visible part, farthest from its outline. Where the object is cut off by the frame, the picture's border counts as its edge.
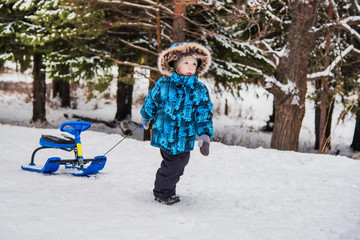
(226, 111)
(153, 75)
(290, 87)
(62, 88)
(179, 23)
(124, 101)
(56, 88)
(39, 90)
(356, 139)
(323, 113)
(324, 104)
(124, 94)
(288, 120)
(65, 94)
(317, 113)
(158, 26)
(24, 61)
(329, 113)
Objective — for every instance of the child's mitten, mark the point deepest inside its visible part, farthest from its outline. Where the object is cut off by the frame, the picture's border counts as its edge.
(144, 124)
(204, 144)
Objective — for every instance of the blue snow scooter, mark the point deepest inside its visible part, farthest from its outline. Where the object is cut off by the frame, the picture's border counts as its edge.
(68, 144)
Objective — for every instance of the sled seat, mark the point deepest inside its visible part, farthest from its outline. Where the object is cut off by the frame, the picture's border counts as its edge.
(56, 142)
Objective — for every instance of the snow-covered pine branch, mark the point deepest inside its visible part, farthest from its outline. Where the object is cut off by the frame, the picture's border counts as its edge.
(24, 5)
(236, 70)
(272, 82)
(107, 56)
(357, 5)
(348, 28)
(328, 71)
(275, 54)
(344, 23)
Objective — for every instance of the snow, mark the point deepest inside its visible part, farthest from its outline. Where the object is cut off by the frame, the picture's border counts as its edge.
(357, 5)
(23, 4)
(351, 30)
(289, 88)
(236, 192)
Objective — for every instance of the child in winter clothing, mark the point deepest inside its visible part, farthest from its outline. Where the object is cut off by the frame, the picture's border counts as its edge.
(181, 108)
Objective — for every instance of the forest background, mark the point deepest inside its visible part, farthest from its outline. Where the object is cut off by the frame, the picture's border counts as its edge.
(280, 45)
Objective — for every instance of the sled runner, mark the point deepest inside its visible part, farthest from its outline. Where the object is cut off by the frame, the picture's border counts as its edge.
(68, 144)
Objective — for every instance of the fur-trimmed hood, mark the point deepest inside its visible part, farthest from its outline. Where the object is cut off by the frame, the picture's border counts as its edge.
(169, 56)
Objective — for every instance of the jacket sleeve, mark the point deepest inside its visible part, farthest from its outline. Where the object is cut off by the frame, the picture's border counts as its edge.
(152, 103)
(204, 114)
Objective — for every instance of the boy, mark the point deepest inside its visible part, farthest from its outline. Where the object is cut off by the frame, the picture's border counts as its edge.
(181, 108)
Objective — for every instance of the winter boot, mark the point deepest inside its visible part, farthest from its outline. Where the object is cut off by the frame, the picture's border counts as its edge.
(168, 200)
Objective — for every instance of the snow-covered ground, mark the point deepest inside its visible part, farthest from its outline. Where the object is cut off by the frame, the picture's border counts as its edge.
(237, 192)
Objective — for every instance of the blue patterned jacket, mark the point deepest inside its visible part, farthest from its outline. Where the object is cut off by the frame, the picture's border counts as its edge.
(181, 109)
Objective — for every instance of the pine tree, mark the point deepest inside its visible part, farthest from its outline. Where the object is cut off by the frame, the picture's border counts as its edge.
(275, 29)
(123, 35)
(21, 32)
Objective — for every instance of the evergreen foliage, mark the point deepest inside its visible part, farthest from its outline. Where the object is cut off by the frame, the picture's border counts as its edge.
(82, 40)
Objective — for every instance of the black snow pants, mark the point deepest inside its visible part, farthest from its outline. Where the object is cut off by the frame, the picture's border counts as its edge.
(168, 175)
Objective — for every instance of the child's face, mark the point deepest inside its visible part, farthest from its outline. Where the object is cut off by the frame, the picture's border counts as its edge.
(187, 67)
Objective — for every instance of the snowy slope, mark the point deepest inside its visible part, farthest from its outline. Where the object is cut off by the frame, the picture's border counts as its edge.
(235, 193)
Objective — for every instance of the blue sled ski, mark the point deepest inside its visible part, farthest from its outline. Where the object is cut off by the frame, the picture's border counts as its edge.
(51, 165)
(93, 168)
(67, 144)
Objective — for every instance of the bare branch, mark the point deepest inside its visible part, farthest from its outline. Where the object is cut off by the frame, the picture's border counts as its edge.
(129, 63)
(128, 24)
(137, 47)
(97, 53)
(154, 6)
